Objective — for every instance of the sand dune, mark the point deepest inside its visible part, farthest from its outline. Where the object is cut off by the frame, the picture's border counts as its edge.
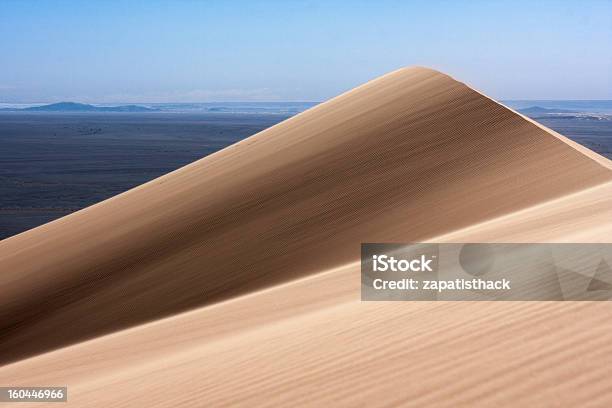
(259, 245)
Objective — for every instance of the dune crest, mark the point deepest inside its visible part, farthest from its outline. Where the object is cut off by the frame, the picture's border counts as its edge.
(411, 156)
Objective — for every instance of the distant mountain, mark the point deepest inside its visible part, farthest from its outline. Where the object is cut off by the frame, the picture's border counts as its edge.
(82, 107)
(538, 110)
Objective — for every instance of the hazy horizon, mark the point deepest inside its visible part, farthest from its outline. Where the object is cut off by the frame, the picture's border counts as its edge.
(111, 103)
(101, 102)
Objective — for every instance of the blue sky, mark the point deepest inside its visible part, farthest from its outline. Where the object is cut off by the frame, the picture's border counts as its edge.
(188, 51)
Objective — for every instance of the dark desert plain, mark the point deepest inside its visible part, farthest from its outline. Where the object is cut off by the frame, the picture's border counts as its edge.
(52, 164)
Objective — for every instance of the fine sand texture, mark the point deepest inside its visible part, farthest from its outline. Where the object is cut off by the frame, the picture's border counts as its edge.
(235, 280)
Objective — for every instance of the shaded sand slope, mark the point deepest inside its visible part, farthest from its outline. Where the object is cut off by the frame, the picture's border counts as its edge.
(406, 157)
(312, 342)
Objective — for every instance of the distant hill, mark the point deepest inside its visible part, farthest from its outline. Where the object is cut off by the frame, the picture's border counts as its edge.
(538, 109)
(82, 107)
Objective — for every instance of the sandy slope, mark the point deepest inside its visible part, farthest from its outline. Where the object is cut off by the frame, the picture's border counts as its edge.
(261, 240)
